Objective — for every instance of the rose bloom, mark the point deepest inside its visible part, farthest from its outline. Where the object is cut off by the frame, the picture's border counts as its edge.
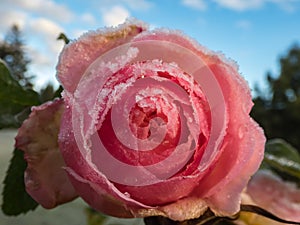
(270, 192)
(150, 123)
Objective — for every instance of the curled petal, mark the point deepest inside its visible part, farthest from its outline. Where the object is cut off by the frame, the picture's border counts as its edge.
(243, 143)
(279, 197)
(183, 209)
(45, 178)
(226, 201)
(77, 56)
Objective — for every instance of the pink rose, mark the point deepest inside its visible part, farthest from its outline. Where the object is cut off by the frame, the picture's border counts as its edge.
(153, 124)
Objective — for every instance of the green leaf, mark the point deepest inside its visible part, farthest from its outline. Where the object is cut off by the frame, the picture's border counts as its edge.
(57, 93)
(14, 99)
(94, 217)
(10, 88)
(63, 37)
(283, 158)
(15, 198)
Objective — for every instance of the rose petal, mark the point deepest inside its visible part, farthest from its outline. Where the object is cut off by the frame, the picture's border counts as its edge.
(243, 143)
(45, 179)
(270, 192)
(226, 201)
(183, 209)
(78, 55)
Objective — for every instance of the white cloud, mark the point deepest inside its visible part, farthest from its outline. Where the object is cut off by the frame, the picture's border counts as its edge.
(38, 58)
(46, 26)
(41, 22)
(88, 18)
(138, 4)
(196, 4)
(44, 49)
(287, 5)
(77, 33)
(242, 5)
(43, 67)
(45, 8)
(8, 18)
(48, 32)
(114, 16)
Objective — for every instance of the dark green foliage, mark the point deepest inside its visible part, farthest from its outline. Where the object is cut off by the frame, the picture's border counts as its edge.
(15, 100)
(94, 217)
(277, 109)
(12, 52)
(63, 37)
(49, 93)
(15, 103)
(57, 93)
(15, 198)
(283, 159)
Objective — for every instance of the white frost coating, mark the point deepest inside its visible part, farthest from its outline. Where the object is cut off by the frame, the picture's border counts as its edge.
(94, 78)
(64, 75)
(190, 41)
(102, 32)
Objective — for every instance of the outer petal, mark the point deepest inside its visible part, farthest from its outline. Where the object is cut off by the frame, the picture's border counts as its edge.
(45, 179)
(243, 144)
(275, 195)
(184, 209)
(227, 200)
(78, 55)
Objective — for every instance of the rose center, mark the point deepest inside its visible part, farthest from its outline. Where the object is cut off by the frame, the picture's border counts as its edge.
(146, 120)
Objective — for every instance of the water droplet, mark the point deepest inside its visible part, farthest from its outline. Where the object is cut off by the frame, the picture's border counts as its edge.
(241, 131)
(127, 194)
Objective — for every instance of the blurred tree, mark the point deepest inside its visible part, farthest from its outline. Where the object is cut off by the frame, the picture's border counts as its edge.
(12, 52)
(47, 93)
(278, 108)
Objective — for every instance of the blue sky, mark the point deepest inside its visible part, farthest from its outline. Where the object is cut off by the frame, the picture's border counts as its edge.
(255, 33)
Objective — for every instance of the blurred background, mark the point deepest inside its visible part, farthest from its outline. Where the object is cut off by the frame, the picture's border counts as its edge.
(262, 36)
